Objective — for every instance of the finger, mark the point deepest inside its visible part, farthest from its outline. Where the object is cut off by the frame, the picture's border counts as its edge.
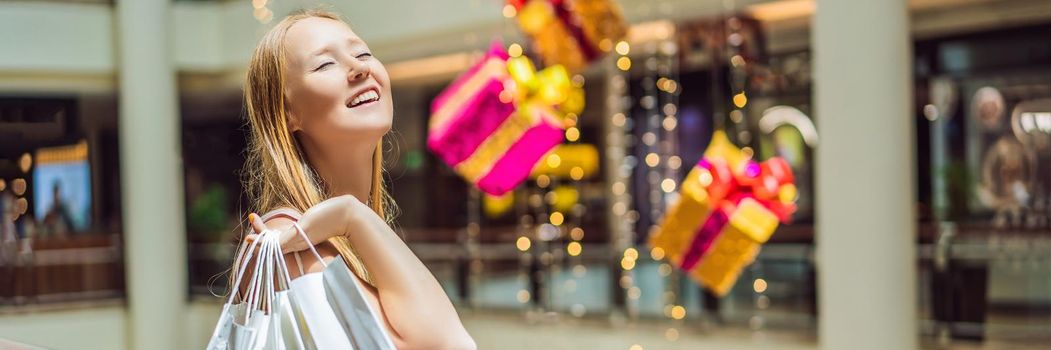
(257, 225)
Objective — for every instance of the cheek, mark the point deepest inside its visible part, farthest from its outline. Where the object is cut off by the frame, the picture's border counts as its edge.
(314, 99)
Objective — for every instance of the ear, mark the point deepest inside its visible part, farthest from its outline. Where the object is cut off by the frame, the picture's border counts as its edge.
(294, 123)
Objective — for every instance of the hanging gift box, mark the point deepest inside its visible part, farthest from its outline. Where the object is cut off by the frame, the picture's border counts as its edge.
(481, 128)
(571, 32)
(728, 206)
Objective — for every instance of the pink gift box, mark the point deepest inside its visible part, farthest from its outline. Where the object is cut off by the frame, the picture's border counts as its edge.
(478, 130)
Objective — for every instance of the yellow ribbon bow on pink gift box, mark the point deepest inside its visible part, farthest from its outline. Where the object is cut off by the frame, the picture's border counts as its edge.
(550, 88)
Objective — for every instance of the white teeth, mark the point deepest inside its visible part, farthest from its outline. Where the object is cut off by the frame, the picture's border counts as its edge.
(367, 96)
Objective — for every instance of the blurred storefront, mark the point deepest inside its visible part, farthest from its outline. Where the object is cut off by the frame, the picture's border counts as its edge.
(567, 253)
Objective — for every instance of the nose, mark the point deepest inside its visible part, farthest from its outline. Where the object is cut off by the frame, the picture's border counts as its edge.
(358, 71)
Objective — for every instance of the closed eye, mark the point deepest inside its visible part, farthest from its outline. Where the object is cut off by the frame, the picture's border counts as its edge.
(323, 65)
(364, 55)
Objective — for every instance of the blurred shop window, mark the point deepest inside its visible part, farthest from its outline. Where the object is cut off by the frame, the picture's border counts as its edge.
(214, 142)
(984, 103)
(60, 239)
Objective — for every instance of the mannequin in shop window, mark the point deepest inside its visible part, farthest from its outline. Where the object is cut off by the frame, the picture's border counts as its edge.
(58, 221)
(319, 104)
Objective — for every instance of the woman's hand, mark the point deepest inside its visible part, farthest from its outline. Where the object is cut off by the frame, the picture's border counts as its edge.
(330, 218)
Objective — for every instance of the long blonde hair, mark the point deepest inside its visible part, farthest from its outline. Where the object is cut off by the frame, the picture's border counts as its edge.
(277, 173)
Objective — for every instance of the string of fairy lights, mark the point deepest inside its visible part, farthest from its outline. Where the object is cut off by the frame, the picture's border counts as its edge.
(18, 187)
(739, 78)
(621, 167)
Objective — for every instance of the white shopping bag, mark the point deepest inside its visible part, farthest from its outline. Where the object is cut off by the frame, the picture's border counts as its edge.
(322, 310)
(334, 301)
(255, 322)
(347, 297)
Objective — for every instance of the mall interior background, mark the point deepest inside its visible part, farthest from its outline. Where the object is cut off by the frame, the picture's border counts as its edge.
(94, 90)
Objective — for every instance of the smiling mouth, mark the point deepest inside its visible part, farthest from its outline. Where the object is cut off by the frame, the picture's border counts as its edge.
(365, 97)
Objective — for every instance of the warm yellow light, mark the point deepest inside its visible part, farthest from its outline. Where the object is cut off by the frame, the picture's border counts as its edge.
(652, 31)
(574, 248)
(258, 4)
(624, 63)
(551, 197)
(576, 234)
(667, 85)
(674, 162)
(3, 185)
(631, 253)
(705, 178)
(569, 120)
(510, 11)
(627, 264)
(670, 86)
(543, 181)
(657, 253)
(554, 160)
(18, 186)
(619, 119)
(25, 162)
(664, 270)
(670, 109)
(523, 296)
(653, 159)
(523, 243)
(21, 206)
(635, 347)
(514, 50)
(781, 10)
(605, 45)
(618, 188)
(678, 312)
(557, 218)
(759, 285)
(620, 208)
(576, 173)
(737, 60)
(668, 185)
(740, 100)
(649, 138)
(623, 48)
(578, 80)
(572, 134)
(670, 123)
(736, 116)
(748, 152)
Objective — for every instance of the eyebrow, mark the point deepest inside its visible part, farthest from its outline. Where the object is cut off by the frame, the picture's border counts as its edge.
(327, 48)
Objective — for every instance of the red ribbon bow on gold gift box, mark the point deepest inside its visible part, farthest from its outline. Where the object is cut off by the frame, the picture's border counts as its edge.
(728, 206)
(571, 32)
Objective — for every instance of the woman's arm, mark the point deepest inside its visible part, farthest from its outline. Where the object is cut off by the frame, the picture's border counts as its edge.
(412, 300)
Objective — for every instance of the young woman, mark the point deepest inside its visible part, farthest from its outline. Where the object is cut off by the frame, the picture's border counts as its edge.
(318, 105)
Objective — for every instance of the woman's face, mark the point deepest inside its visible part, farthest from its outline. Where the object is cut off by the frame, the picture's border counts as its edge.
(338, 93)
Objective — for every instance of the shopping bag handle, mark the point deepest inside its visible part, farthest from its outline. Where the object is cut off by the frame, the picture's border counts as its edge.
(303, 234)
(243, 259)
